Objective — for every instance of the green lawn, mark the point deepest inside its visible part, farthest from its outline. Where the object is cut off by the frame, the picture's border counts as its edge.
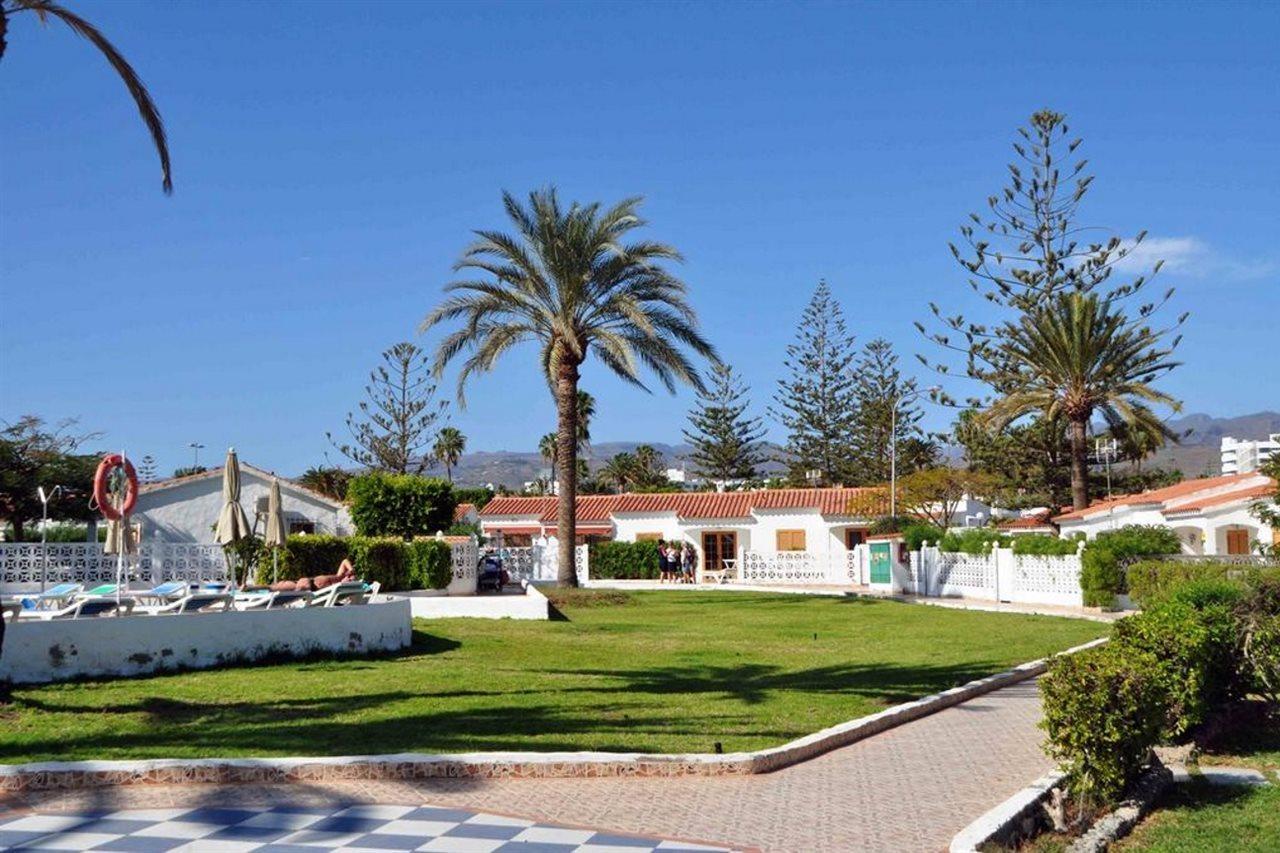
(658, 672)
(1201, 817)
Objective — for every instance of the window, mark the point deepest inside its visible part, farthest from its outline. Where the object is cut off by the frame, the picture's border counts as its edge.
(790, 540)
(648, 537)
(854, 538)
(301, 525)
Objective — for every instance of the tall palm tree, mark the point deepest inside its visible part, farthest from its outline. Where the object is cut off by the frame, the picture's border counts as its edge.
(42, 9)
(450, 442)
(586, 411)
(1074, 356)
(620, 471)
(568, 280)
(547, 447)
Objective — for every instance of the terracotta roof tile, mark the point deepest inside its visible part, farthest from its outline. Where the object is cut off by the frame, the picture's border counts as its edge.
(518, 505)
(461, 511)
(1026, 522)
(1185, 489)
(864, 502)
(1252, 493)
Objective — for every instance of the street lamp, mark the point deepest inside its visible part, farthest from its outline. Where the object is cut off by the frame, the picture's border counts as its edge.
(196, 447)
(45, 497)
(905, 397)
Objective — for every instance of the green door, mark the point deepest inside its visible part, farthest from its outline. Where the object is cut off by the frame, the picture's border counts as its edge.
(880, 552)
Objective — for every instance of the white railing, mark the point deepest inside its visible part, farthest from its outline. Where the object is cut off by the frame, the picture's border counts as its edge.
(25, 565)
(538, 562)
(998, 575)
(796, 567)
(465, 556)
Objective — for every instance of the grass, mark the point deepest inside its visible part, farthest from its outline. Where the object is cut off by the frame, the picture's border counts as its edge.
(1202, 817)
(1253, 743)
(646, 671)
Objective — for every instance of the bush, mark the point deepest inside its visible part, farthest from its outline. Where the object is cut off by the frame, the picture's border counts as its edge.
(975, 540)
(1152, 580)
(1259, 625)
(1104, 710)
(917, 533)
(308, 556)
(400, 505)
(1193, 641)
(380, 560)
(1102, 572)
(1044, 545)
(430, 563)
(629, 560)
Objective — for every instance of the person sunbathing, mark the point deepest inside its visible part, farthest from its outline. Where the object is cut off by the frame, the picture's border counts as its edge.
(346, 572)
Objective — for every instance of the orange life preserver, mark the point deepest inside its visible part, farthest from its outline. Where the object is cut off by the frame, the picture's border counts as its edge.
(109, 463)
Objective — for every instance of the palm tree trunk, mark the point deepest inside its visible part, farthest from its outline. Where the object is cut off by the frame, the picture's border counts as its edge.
(1079, 464)
(567, 459)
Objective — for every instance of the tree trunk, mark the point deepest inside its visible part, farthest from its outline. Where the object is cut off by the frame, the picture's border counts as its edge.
(567, 461)
(19, 534)
(1079, 464)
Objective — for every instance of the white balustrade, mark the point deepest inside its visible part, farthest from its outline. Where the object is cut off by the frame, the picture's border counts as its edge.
(23, 565)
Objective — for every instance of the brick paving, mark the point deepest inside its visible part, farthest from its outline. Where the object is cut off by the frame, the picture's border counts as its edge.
(911, 788)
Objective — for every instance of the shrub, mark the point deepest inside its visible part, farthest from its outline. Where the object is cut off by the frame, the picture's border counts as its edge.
(400, 505)
(308, 556)
(1044, 544)
(1104, 710)
(1259, 624)
(630, 560)
(917, 533)
(975, 540)
(1152, 580)
(430, 563)
(1193, 641)
(1102, 573)
(380, 560)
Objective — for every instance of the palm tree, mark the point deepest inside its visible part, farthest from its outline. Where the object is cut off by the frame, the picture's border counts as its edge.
(586, 411)
(42, 9)
(450, 442)
(647, 463)
(327, 480)
(620, 470)
(568, 280)
(1076, 355)
(547, 447)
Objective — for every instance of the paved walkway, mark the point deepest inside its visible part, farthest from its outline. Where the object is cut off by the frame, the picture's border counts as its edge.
(911, 788)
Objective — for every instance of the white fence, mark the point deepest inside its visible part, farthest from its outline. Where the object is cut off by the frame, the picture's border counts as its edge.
(998, 575)
(538, 562)
(800, 567)
(24, 565)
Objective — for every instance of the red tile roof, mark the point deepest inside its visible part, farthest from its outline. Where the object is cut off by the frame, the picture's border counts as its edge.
(461, 511)
(1158, 497)
(862, 502)
(1027, 522)
(1250, 494)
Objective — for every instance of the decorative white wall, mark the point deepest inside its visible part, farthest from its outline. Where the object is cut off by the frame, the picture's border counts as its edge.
(38, 652)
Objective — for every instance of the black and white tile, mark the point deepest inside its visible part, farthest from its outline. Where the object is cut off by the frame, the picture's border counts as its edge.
(287, 829)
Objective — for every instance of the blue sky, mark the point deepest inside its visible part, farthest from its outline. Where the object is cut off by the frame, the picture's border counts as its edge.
(330, 160)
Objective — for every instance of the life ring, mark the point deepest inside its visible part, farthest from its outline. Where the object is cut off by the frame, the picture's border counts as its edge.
(101, 494)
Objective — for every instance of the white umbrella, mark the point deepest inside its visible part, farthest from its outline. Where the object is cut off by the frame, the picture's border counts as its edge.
(274, 538)
(233, 525)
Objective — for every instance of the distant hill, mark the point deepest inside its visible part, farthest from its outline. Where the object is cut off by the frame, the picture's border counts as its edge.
(1198, 452)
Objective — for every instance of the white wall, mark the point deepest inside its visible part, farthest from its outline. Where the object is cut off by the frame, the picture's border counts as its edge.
(627, 526)
(38, 651)
(188, 511)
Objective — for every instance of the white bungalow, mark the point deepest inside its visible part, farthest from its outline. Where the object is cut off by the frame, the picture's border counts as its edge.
(1210, 515)
(720, 525)
(185, 509)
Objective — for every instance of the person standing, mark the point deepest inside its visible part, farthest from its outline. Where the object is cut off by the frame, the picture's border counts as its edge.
(689, 562)
(663, 565)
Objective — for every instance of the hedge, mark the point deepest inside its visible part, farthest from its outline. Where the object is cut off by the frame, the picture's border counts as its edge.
(1151, 580)
(1045, 545)
(400, 505)
(627, 560)
(394, 563)
(1102, 575)
(975, 540)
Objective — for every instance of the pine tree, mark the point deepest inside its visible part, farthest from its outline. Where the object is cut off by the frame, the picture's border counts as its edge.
(398, 420)
(726, 442)
(816, 403)
(879, 387)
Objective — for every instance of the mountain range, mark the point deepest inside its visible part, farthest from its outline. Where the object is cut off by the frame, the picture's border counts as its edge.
(1197, 453)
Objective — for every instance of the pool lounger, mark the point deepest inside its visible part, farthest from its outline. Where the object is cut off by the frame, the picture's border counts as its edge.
(87, 606)
(197, 602)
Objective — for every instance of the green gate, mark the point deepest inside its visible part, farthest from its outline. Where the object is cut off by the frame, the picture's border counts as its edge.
(880, 553)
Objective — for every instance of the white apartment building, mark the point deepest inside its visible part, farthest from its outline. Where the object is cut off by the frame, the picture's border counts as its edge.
(1241, 456)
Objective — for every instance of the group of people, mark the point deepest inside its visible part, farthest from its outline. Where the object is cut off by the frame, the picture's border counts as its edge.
(676, 564)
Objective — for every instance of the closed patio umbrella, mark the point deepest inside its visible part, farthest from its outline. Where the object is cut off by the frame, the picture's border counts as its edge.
(233, 524)
(274, 536)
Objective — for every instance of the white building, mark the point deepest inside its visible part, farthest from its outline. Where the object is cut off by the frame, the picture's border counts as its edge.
(185, 509)
(1210, 515)
(1241, 456)
(720, 525)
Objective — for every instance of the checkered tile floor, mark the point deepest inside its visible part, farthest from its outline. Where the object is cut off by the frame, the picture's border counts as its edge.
(359, 829)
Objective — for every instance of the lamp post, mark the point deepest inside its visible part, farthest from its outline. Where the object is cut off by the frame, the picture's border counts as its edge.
(196, 447)
(906, 396)
(45, 497)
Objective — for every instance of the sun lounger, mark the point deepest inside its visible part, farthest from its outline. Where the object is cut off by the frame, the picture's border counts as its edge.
(53, 598)
(100, 590)
(274, 599)
(90, 606)
(9, 610)
(350, 592)
(198, 602)
(165, 593)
